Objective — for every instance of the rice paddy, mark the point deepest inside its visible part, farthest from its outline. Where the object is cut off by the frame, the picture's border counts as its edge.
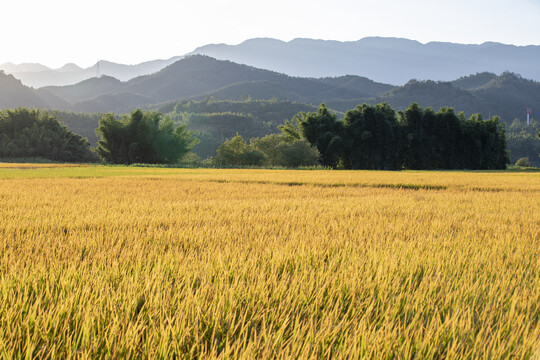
(123, 262)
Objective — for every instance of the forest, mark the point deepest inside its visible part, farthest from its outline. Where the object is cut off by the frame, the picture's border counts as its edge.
(214, 121)
(378, 138)
(367, 137)
(217, 99)
(30, 133)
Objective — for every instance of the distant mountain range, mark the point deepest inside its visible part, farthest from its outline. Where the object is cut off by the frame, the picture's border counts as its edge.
(385, 60)
(197, 77)
(37, 75)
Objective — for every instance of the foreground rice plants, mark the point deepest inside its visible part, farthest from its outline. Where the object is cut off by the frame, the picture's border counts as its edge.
(149, 262)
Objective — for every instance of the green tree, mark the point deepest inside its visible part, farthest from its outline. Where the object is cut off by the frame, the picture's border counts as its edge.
(523, 162)
(283, 150)
(236, 152)
(325, 132)
(35, 133)
(372, 138)
(144, 137)
(522, 140)
(269, 145)
(414, 127)
(297, 153)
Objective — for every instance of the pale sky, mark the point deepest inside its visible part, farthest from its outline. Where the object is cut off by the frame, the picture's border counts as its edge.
(55, 32)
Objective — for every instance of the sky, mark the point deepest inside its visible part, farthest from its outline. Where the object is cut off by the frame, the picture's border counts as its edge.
(56, 32)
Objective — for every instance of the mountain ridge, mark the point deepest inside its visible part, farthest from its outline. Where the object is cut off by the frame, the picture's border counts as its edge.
(37, 75)
(387, 60)
(390, 60)
(204, 79)
(197, 77)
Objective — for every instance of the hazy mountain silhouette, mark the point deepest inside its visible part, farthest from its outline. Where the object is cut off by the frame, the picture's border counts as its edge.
(37, 75)
(384, 60)
(387, 60)
(86, 89)
(203, 78)
(14, 94)
(10, 68)
(69, 67)
(200, 76)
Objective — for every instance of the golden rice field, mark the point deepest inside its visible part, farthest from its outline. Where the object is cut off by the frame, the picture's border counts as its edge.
(123, 262)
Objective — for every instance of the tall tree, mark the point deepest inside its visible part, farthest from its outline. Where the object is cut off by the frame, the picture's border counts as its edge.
(371, 138)
(144, 137)
(35, 133)
(322, 130)
(236, 152)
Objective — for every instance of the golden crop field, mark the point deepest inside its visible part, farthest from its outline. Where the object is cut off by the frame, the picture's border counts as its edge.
(125, 262)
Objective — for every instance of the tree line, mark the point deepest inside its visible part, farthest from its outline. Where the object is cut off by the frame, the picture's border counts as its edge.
(376, 137)
(142, 137)
(30, 133)
(274, 150)
(368, 137)
(522, 139)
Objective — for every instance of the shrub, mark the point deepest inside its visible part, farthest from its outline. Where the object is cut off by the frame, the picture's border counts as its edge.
(523, 162)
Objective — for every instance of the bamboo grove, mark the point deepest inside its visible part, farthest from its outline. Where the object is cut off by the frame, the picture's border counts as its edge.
(373, 137)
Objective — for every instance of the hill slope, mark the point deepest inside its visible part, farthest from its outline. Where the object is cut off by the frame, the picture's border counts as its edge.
(14, 94)
(506, 96)
(199, 76)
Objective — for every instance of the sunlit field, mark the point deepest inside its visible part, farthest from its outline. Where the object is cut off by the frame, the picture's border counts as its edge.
(128, 262)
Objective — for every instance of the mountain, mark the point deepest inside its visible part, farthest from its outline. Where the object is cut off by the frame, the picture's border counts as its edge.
(474, 81)
(120, 103)
(206, 81)
(127, 72)
(426, 94)
(313, 91)
(85, 89)
(387, 60)
(510, 91)
(9, 68)
(383, 60)
(506, 95)
(38, 79)
(69, 67)
(14, 94)
(37, 75)
(198, 77)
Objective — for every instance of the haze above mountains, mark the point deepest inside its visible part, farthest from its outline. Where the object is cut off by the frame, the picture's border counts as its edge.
(387, 60)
